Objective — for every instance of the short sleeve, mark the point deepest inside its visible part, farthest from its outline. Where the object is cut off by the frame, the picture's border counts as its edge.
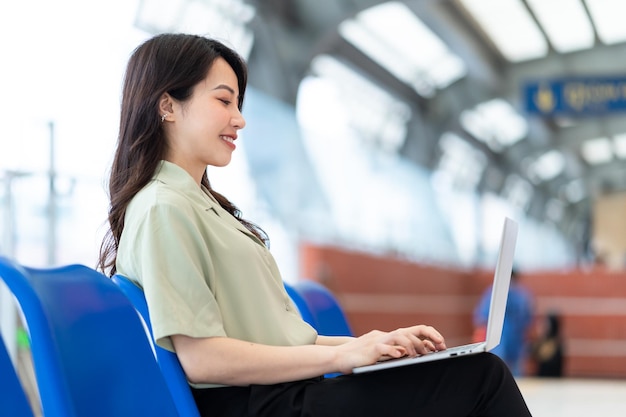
(174, 267)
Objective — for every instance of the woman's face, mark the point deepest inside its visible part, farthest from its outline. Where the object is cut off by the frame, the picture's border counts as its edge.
(202, 130)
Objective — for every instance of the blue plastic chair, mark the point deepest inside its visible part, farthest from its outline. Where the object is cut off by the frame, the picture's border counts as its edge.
(326, 314)
(90, 351)
(168, 361)
(320, 309)
(302, 305)
(13, 400)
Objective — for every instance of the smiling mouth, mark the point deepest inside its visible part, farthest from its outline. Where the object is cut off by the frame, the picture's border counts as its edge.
(228, 139)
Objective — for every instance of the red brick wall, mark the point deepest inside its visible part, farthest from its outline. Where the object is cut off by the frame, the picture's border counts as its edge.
(386, 293)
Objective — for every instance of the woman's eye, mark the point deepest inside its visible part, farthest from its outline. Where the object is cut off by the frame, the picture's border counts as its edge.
(227, 102)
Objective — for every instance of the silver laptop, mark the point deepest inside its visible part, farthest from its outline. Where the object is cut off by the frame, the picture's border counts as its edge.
(497, 308)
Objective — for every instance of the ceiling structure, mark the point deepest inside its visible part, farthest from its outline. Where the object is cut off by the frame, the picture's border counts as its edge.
(553, 165)
(456, 73)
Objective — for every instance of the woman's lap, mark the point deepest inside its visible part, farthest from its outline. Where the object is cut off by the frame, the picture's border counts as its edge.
(476, 385)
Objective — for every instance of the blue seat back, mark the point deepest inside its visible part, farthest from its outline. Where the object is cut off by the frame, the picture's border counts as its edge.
(325, 311)
(302, 305)
(13, 400)
(90, 351)
(168, 361)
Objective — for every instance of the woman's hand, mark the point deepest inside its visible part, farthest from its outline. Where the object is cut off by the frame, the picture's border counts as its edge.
(378, 345)
(227, 361)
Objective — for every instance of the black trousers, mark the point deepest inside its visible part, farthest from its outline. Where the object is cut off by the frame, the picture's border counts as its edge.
(475, 385)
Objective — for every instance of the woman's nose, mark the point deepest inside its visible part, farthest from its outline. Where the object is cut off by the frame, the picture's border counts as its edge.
(238, 121)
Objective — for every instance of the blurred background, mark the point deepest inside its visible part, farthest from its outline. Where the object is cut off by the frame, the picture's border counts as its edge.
(385, 144)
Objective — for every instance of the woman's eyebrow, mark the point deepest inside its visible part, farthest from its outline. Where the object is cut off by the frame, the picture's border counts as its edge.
(224, 87)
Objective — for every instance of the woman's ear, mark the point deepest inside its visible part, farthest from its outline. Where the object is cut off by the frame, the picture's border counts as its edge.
(165, 106)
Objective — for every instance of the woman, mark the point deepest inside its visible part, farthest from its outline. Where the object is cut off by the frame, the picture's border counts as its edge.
(214, 292)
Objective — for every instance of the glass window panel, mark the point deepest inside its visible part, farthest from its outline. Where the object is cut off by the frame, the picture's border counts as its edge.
(222, 19)
(555, 209)
(461, 165)
(565, 22)
(158, 15)
(608, 16)
(388, 33)
(510, 27)
(597, 151)
(494, 209)
(619, 145)
(517, 191)
(547, 166)
(574, 191)
(379, 117)
(447, 70)
(496, 123)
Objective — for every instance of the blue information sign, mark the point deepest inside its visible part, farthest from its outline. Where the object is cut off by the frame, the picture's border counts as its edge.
(590, 96)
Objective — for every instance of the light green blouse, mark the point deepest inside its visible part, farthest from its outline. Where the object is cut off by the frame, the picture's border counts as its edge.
(203, 273)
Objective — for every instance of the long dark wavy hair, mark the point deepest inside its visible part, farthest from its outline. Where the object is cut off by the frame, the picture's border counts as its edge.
(166, 63)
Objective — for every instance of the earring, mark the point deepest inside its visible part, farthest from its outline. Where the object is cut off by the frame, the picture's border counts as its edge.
(163, 117)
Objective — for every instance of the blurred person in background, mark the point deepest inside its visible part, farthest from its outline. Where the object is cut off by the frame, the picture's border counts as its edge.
(514, 343)
(548, 349)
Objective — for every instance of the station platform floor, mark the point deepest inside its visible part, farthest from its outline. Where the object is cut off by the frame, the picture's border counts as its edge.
(574, 397)
(565, 397)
